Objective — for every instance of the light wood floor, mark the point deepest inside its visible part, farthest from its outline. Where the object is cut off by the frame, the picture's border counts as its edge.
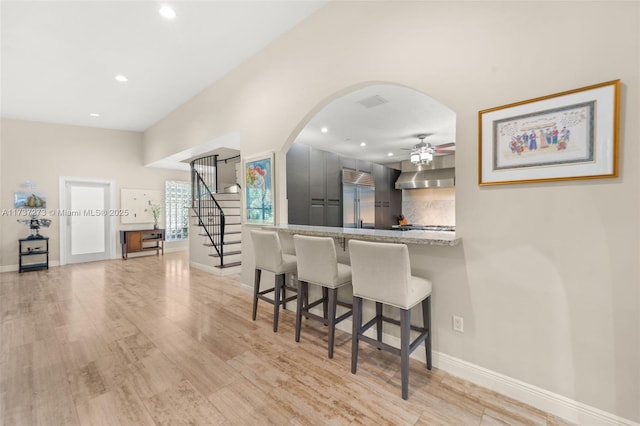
(150, 341)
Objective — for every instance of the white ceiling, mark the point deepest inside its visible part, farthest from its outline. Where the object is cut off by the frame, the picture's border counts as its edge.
(392, 126)
(59, 58)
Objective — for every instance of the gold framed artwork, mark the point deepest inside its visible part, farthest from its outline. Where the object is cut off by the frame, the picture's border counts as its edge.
(567, 135)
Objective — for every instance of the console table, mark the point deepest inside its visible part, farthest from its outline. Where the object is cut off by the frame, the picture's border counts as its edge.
(38, 247)
(140, 240)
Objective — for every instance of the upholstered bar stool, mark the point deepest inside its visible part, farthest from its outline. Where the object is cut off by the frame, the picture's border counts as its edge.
(317, 264)
(382, 273)
(269, 257)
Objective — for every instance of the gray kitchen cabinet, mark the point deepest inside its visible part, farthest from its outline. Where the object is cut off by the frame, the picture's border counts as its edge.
(317, 207)
(395, 197)
(333, 189)
(314, 186)
(348, 163)
(298, 184)
(364, 166)
(333, 177)
(354, 164)
(316, 175)
(317, 215)
(388, 200)
(334, 215)
(381, 178)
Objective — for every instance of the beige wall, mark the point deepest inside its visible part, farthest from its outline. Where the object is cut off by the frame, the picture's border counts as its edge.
(42, 153)
(227, 174)
(547, 275)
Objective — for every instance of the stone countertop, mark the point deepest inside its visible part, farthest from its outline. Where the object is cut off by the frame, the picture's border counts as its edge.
(439, 238)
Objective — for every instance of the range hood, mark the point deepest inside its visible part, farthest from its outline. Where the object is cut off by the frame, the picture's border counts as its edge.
(440, 173)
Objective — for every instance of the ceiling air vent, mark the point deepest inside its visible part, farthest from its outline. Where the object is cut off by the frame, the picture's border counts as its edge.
(373, 101)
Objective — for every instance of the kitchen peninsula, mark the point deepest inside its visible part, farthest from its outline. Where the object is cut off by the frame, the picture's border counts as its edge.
(438, 238)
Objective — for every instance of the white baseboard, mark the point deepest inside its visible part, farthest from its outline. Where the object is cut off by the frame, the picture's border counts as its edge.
(14, 268)
(558, 405)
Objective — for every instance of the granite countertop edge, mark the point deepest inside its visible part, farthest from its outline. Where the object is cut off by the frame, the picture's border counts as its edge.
(440, 238)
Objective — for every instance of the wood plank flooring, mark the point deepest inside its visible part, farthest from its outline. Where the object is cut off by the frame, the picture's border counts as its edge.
(149, 341)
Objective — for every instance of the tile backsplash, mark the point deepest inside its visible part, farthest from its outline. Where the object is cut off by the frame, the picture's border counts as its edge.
(429, 206)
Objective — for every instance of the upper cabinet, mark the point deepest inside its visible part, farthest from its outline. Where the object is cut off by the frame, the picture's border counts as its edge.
(354, 164)
(314, 187)
(363, 166)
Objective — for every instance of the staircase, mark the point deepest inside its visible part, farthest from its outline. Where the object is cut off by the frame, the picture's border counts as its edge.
(232, 243)
(216, 222)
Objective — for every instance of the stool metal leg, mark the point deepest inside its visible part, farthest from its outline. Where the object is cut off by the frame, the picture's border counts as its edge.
(276, 300)
(405, 342)
(357, 325)
(303, 289)
(426, 317)
(379, 322)
(325, 300)
(256, 289)
(331, 319)
(284, 291)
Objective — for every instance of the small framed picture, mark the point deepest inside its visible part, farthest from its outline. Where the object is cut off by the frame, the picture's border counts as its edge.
(568, 135)
(30, 200)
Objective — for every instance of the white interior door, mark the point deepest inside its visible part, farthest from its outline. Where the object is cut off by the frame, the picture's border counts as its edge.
(88, 224)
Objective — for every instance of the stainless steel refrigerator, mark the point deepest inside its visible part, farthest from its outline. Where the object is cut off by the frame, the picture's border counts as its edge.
(358, 199)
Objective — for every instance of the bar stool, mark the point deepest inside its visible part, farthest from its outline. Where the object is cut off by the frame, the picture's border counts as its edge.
(382, 273)
(269, 257)
(317, 264)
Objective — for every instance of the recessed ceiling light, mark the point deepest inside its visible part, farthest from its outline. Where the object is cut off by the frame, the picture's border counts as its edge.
(324, 129)
(363, 144)
(167, 12)
(94, 114)
(390, 154)
(121, 78)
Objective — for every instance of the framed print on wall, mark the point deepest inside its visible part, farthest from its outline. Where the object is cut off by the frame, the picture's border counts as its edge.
(568, 135)
(258, 188)
(30, 200)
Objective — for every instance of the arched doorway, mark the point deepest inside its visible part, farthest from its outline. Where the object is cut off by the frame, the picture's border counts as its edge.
(373, 129)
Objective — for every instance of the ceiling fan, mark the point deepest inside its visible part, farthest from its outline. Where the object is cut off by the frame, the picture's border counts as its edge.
(422, 152)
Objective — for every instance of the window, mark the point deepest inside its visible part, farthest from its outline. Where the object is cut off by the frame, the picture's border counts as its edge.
(177, 200)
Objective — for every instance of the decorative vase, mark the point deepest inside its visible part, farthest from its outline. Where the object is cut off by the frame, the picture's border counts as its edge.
(155, 225)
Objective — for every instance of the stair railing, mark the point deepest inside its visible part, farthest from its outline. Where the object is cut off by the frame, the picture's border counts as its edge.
(210, 214)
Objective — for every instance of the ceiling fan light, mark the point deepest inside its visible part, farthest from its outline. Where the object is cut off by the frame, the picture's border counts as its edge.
(426, 156)
(415, 157)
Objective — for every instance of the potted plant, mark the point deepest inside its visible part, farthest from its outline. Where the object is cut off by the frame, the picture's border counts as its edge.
(155, 211)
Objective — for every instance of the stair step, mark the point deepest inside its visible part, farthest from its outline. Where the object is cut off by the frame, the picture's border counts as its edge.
(231, 253)
(226, 233)
(225, 243)
(227, 196)
(228, 265)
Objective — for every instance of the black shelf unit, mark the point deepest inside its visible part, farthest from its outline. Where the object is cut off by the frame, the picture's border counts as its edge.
(27, 250)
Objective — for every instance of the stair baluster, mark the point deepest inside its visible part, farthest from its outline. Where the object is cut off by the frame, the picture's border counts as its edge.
(209, 213)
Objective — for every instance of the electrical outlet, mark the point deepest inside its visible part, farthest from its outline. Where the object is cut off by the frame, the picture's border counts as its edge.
(458, 324)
